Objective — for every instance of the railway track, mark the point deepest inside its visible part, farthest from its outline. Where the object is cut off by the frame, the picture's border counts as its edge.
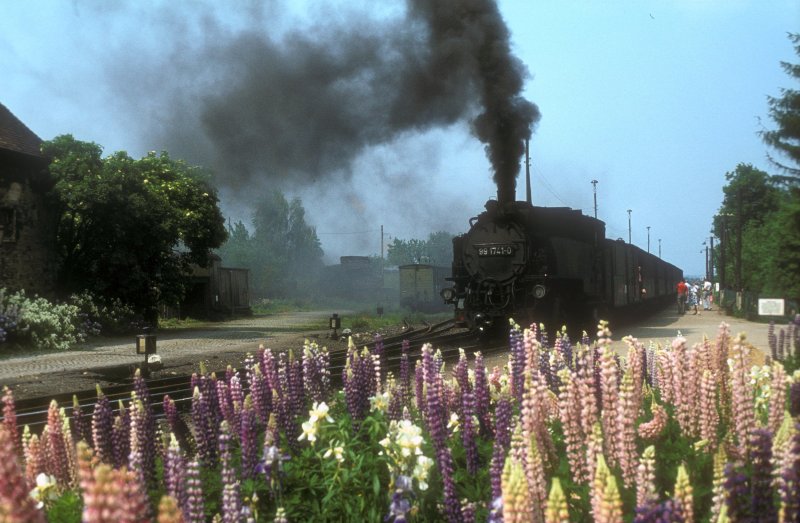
(33, 411)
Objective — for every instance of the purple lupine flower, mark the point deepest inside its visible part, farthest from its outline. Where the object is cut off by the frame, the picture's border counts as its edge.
(789, 486)
(467, 411)
(121, 437)
(148, 428)
(517, 363)
(794, 399)
(377, 357)
(468, 511)
(669, 511)
(205, 435)
(316, 372)
(359, 385)
(175, 472)
(225, 403)
(502, 441)
(171, 413)
(286, 418)
(237, 395)
(208, 386)
(419, 387)
(261, 394)
(269, 367)
(737, 493)
(80, 422)
(400, 505)
(139, 442)
(294, 382)
(102, 424)
(194, 508)
(231, 498)
(482, 397)
(437, 427)
(772, 340)
(762, 494)
(405, 373)
(248, 439)
(781, 344)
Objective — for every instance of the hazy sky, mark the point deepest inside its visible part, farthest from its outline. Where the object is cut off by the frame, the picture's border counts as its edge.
(657, 100)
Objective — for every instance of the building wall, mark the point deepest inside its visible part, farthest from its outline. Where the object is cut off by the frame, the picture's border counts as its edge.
(27, 243)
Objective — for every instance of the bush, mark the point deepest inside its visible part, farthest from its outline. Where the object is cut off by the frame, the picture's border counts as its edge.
(45, 325)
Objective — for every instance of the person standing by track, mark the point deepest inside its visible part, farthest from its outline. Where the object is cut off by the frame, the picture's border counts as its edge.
(706, 295)
(682, 294)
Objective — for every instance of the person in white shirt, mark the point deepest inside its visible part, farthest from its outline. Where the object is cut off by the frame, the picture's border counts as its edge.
(706, 295)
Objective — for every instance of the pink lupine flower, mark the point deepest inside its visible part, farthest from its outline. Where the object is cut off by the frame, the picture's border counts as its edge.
(516, 505)
(683, 494)
(611, 503)
(58, 462)
(10, 419)
(34, 458)
(610, 386)
(717, 484)
(598, 486)
(594, 454)
(635, 365)
(525, 448)
(16, 504)
(742, 408)
(777, 398)
(168, 511)
(665, 379)
(646, 493)
(709, 417)
(557, 510)
(650, 430)
(569, 414)
(586, 388)
(626, 431)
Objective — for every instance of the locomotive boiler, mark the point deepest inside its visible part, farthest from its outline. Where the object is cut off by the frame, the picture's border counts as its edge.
(550, 265)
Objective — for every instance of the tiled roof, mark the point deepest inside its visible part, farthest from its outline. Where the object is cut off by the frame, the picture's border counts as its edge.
(15, 136)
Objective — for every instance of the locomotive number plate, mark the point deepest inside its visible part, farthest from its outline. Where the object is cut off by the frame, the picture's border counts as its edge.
(496, 249)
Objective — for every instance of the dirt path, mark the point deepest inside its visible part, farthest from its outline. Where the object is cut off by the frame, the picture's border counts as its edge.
(180, 350)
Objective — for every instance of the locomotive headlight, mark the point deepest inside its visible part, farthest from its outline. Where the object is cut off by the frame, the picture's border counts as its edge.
(539, 291)
(448, 294)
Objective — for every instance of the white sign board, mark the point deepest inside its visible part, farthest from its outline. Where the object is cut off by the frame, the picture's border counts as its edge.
(770, 307)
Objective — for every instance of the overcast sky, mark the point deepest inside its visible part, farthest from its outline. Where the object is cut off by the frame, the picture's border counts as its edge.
(656, 100)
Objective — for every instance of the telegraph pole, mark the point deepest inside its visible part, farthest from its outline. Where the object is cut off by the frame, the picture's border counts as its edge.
(629, 225)
(659, 247)
(594, 189)
(648, 239)
(711, 260)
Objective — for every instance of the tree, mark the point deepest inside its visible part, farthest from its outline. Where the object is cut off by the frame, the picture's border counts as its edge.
(785, 111)
(750, 199)
(283, 253)
(129, 229)
(436, 250)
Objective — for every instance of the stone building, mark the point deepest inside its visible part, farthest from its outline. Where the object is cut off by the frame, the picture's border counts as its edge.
(27, 241)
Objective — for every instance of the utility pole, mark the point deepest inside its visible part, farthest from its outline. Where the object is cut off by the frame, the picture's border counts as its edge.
(723, 245)
(629, 225)
(706, 246)
(659, 247)
(594, 189)
(739, 240)
(648, 239)
(527, 174)
(711, 260)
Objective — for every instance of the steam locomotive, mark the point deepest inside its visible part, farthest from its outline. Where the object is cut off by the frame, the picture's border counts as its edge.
(550, 265)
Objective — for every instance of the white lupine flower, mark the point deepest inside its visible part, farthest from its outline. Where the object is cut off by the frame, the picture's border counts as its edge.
(319, 411)
(454, 422)
(336, 450)
(45, 489)
(380, 402)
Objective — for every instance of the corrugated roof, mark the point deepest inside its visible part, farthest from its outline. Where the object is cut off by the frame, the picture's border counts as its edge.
(15, 136)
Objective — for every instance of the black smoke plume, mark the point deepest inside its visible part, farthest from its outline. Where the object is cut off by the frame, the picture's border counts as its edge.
(299, 106)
